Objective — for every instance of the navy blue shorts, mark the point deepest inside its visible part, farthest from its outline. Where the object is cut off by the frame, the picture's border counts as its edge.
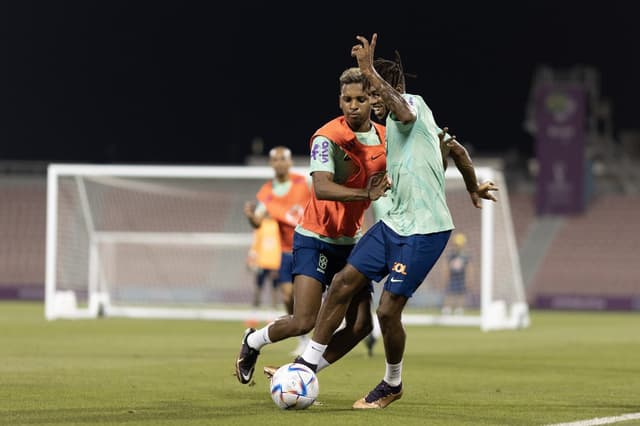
(406, 260)
(457, 285)
(317, 259)
(266, 274)
(286, 267)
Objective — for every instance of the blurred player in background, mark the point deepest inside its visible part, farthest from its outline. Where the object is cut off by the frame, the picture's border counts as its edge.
(264, 258)
(457, 270)
(347, 166)
(282, 199)
(407, 241)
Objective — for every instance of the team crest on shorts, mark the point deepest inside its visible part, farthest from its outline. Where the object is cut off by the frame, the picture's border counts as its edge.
(322, 263)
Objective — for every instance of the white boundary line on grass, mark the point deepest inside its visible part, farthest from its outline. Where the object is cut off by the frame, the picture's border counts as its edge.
(601, 420)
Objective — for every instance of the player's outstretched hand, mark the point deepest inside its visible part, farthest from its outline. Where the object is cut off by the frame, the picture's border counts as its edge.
(484, 192)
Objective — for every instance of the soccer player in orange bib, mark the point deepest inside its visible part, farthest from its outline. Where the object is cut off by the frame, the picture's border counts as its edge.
(347, 165)
(281, 199)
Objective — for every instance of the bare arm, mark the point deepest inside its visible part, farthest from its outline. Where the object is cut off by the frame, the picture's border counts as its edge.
(326, 189)
(391, 97)
(451, 147)
(250, 212)
(444, 147)
(463, 163)
(465, 166)
(484, 192)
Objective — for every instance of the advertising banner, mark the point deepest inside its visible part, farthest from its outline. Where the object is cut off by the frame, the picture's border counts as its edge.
(560, 117)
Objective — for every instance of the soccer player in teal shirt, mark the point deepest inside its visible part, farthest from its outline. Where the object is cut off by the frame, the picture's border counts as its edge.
(407, 241)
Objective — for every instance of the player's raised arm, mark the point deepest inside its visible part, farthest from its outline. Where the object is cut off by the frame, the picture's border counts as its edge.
(392, 96)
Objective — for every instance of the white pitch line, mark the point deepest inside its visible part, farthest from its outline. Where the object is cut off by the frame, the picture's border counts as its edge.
(601, 420)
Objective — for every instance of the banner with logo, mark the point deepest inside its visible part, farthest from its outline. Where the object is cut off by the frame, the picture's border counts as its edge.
(560, 117)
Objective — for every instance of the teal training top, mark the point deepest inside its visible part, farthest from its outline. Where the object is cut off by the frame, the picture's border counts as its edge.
(414, 163)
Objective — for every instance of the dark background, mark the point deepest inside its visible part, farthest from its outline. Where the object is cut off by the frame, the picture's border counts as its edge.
(195, 83)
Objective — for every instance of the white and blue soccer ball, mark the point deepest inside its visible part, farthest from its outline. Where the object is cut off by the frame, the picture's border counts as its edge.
(294, 387)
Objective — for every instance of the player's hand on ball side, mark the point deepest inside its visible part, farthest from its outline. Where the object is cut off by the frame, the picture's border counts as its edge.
(378, 185)
(249, 208)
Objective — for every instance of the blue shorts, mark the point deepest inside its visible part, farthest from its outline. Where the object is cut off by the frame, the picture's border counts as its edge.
(456, 285)
(406, 260)
(263, 274)
(318, 259)
(286, 266)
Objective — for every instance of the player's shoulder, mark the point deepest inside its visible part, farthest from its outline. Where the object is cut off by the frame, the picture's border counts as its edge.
(416, 102)
(413, 98)
(265, 187)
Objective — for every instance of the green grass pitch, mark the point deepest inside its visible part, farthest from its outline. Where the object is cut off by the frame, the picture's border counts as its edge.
(566, 366)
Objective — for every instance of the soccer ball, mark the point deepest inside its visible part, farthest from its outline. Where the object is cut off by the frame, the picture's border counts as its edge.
(294, 387)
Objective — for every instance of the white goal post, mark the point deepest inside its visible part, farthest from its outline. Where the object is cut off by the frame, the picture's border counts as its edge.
(152, 241)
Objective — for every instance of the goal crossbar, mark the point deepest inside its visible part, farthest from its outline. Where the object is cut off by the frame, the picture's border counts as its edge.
(89, 247)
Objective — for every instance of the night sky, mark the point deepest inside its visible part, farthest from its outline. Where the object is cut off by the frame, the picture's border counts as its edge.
(194, 83)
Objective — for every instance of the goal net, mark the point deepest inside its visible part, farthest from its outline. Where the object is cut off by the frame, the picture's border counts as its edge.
(172, 242)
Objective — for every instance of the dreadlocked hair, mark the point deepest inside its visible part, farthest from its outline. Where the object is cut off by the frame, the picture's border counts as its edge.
(392, 71)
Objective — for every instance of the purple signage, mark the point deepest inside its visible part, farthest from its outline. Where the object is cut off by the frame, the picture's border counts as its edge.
(560, 145)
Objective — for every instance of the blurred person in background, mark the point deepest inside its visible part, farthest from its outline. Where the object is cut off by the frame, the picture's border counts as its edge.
(456, 272)
(264, 258)
(281, 199)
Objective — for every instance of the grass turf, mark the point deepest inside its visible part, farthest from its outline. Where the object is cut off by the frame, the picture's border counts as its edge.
(567, 366)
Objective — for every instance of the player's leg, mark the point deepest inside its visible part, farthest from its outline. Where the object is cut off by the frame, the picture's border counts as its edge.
(374, 336)
(389, 315)
(307, 293)
(359, 324)
(259, 284)
(285, 293)
(455, 299)
(411, 258)
(285, 281)
(459, 303)
(275, 293)
(365, 263)
(314, 261)
(344, 286)
(285, 278)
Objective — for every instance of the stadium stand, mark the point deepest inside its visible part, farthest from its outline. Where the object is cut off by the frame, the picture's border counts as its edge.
(22, 236)
(590, 263)
(593, 261)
